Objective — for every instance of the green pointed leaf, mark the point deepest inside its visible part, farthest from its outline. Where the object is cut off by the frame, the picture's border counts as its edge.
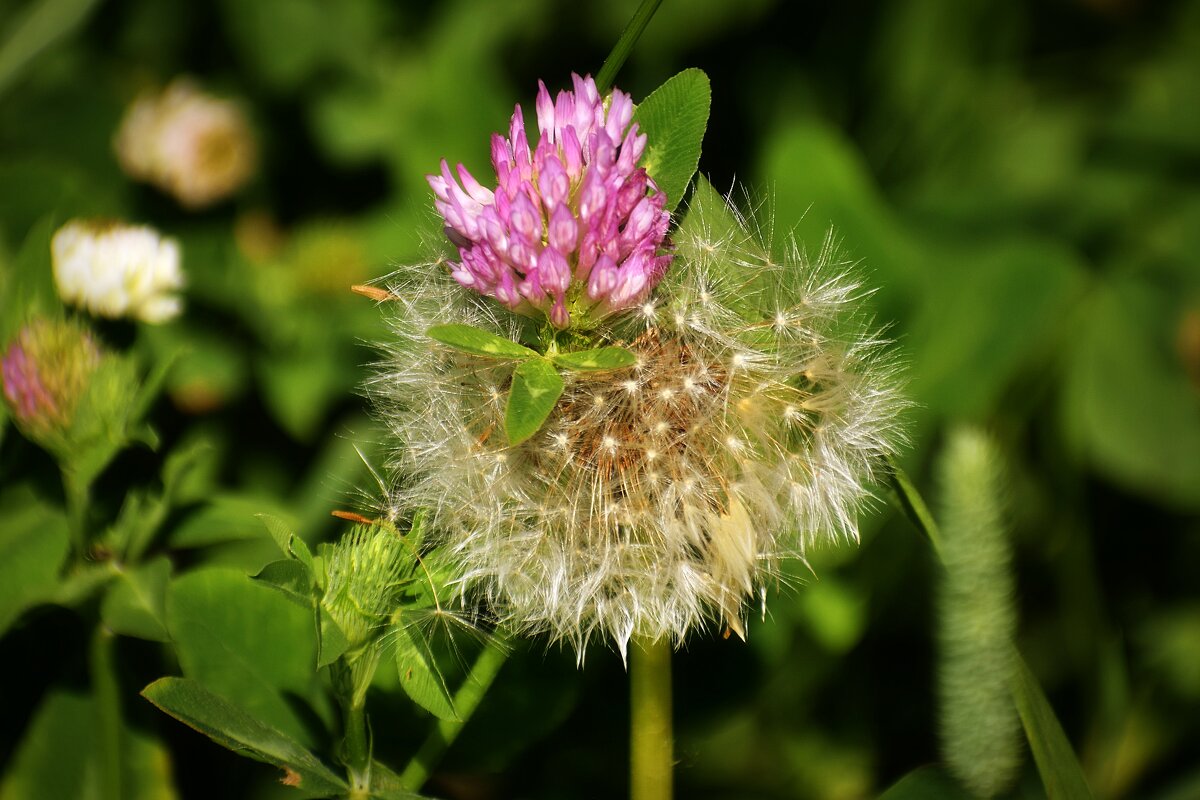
(536, 387)
(291, 544)
(601, 358)
(135, 604)
(419, 674)
(387, 785)
(233, 727)
(925, 783)
(478, 342)
(1061, 774)
(247, 643)
(291, 578)
(331, 640)
(674, 118)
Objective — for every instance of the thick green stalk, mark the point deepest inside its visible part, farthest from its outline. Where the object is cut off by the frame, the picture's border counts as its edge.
(356, 747)
(465, 702)
(624, 46)
(651, 744)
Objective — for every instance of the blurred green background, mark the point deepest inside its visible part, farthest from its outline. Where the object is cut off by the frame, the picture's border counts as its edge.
(1019, 180)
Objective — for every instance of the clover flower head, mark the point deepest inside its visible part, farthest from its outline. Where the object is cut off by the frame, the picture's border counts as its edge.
(661, 496)
(197, 147)
(116, 270)
(574, 228)
(45, 372)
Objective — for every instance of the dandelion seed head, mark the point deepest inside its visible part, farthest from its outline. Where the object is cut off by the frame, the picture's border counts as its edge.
(661, 497)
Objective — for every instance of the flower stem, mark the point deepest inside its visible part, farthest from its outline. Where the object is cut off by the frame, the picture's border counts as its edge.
(651, 742)
(357, 748)
(76, 492)
(624, 46)
(483, 672)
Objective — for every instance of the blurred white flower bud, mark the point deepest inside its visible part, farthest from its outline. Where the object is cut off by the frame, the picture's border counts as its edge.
(117, 270)
(197, 147)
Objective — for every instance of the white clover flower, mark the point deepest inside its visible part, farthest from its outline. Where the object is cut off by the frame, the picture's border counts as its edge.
(663, 495)
(197, 147)
(116, 270)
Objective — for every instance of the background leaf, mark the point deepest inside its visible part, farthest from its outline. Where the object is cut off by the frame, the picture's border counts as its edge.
(230, 726)
(247, 643)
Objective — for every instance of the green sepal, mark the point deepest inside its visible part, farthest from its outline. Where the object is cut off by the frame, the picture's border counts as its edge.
(536, 387)
(476, 341)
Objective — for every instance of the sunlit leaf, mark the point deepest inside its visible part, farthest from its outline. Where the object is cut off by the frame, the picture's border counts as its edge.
(478, 342)
(536, 387)
(601, 358)
(673, 118)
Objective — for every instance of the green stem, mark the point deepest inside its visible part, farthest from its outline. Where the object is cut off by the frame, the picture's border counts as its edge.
(77, 494)
(651, 744)
(624, 46)
(913, 506)
(108, 733)
(483, 672)
(357, 748)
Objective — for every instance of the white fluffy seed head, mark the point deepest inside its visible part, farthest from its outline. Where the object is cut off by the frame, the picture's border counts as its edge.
(658, 497)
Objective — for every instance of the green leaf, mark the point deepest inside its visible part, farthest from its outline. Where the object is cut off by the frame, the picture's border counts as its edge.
(291, 578)
(536, 387)
(225, 518)
(135, 604)
(925, 783)
(39, 770)
(601, 358)
(674, 118)
(291, 544)
(40, 25)
(1148, 437)
(387, 785)
(233, 727)
(419, 674)
(33, 544)
(246, 642)
(1061, 774)
(478, 342)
